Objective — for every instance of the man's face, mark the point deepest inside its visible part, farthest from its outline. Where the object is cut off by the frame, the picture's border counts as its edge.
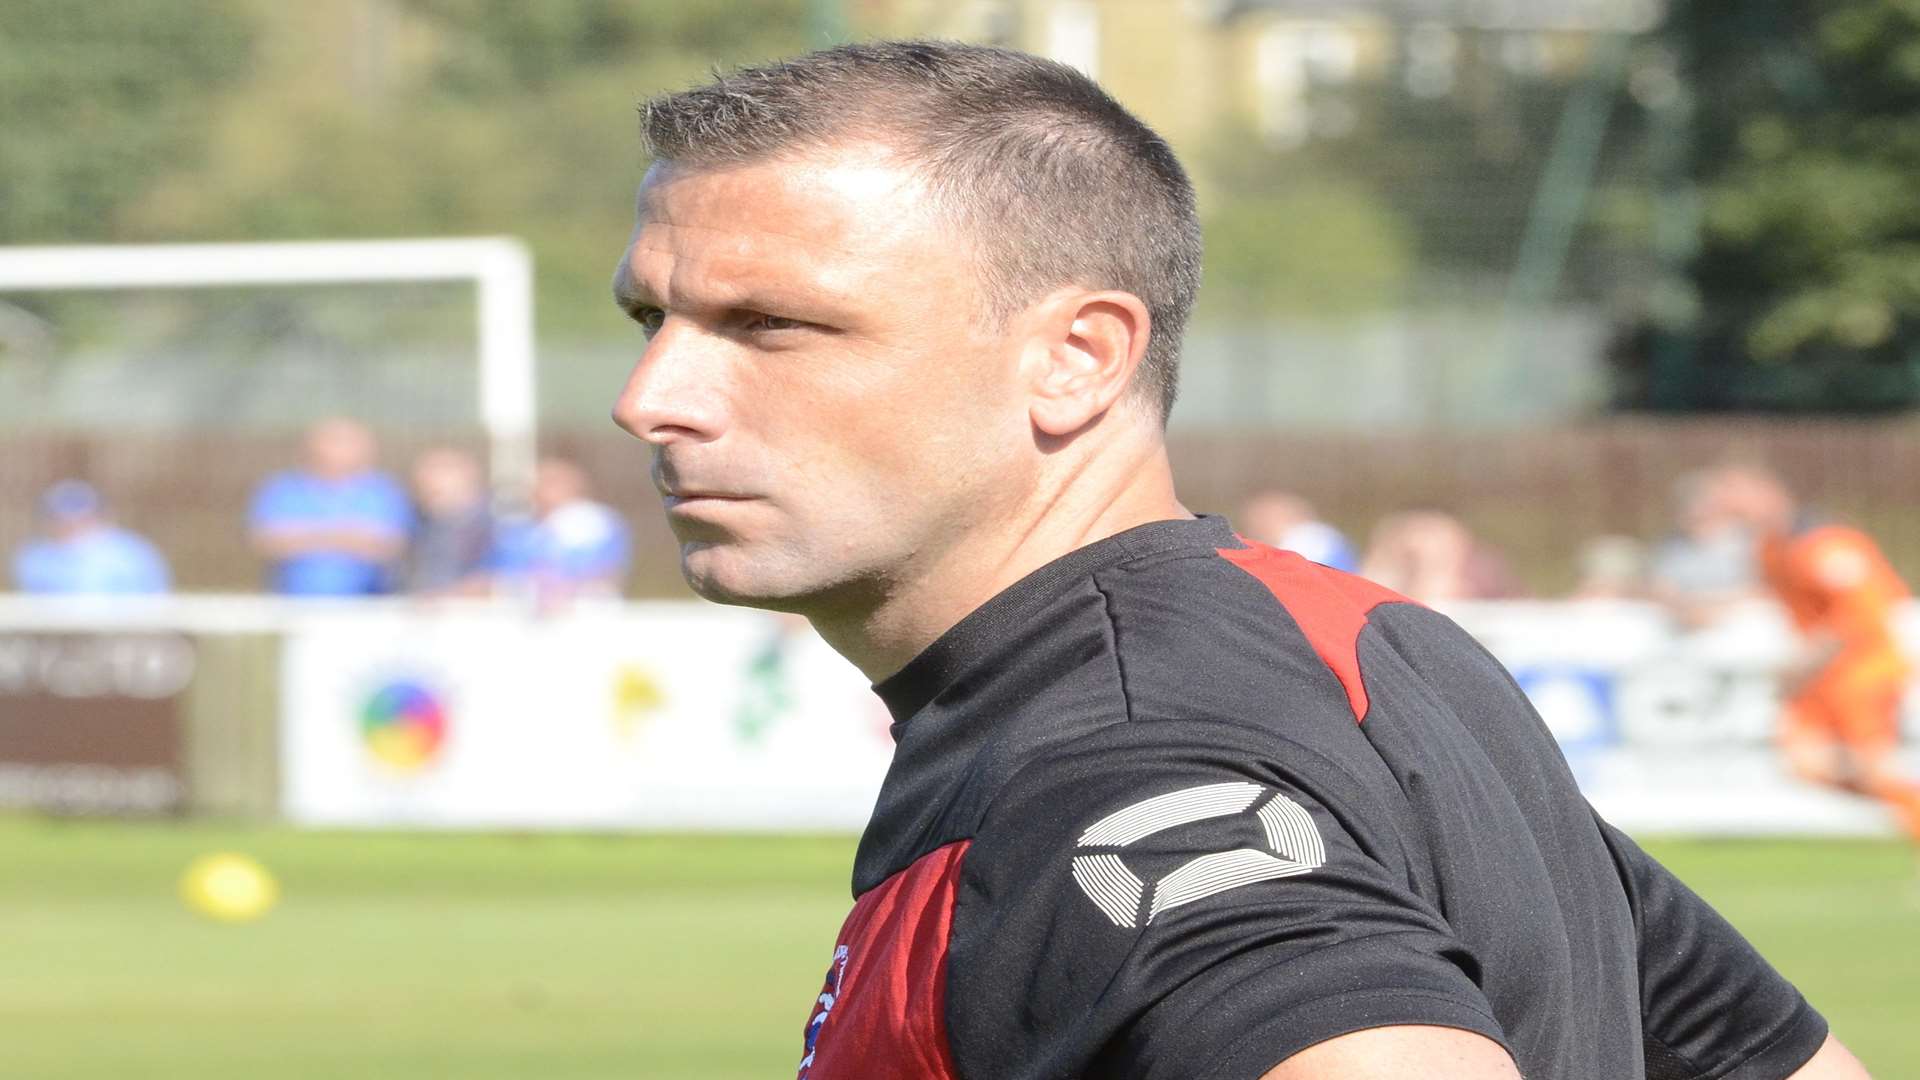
(447, 482)
(830, 410)
(1753, 499)
(555, 484)
(337, 449)
(72, 527)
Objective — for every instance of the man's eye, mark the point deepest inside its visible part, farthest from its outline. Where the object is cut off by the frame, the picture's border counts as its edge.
(773, 322)
(650, 319)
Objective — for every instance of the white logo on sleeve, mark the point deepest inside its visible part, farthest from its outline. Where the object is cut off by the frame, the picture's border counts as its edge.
(1294, 840)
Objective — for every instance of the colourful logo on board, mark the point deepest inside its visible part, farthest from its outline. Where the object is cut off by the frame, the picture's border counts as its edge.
(404, 725)
(637, 695)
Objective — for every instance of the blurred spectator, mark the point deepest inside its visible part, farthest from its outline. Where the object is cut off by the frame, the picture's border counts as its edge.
(1284, 520)
(574, 547)
(1611, 568)
(82, 552)
(451, 550)
(1845, 685)
(336, 526)
(1432, 557)
(1707, 566)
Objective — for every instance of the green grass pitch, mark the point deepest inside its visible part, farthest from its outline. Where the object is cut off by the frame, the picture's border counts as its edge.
(404, 956)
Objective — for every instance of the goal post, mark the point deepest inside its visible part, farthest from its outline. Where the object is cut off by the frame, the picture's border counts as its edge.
(499, 267)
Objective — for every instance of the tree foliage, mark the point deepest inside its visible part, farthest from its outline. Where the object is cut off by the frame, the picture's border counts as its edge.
(1399, 196)
(1806, 149)
(254, 119)
(1315, 249)
(100, 97)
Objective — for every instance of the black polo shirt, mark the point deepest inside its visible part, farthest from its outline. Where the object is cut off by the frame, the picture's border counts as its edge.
(1180, 806)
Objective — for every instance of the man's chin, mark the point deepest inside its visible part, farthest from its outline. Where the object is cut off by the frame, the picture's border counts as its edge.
(708, 588)
(714, 572)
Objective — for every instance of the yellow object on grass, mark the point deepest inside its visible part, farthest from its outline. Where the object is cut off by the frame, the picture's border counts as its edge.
(229, 887)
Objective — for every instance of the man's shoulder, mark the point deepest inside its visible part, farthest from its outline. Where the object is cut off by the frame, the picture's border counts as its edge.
(120, 538)
(1223, 748)
(1817, 535)
(34, 560)
(1242, 633)
(1265, 582)
(376, 486)
(1837, 558)
(287, 484)
(587, 524)
(583, 537)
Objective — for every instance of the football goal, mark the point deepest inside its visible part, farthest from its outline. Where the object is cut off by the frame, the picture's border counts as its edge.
(498, 270)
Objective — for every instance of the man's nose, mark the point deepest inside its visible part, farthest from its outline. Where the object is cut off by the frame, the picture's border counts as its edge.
(676, 391)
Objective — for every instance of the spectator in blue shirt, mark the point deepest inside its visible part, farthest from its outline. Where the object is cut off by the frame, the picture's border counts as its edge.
(573, 547)
(84, 553)
(337, 526)
(1287, 521)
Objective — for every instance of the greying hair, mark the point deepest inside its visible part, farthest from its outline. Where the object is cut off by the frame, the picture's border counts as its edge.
(1054, 181)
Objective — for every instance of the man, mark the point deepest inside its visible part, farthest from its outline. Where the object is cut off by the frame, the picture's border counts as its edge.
(1842, 722)
(1610, 568)
(82, 553)
(573, 548)
(1431, 556)
(336, 527)
(1284, 520)
(451, 550)
(1707, 567)
(1164, 803)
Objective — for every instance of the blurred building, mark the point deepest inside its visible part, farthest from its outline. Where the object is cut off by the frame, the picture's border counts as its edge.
(1183, 64)
(1393, 189)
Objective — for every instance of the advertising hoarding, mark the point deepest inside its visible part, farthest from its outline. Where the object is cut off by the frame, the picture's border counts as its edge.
(91, 722)
(691, 716)
(651, 716)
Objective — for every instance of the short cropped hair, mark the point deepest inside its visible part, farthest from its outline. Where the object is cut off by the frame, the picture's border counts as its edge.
(1053, 180)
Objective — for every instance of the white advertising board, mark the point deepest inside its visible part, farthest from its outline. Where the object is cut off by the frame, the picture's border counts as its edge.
(1675, 732)
(690, 716)
(667, 716)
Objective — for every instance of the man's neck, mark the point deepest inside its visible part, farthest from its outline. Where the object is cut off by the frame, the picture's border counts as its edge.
(1083, 510)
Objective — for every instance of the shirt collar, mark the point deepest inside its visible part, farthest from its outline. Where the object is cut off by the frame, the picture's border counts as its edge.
(984, 632)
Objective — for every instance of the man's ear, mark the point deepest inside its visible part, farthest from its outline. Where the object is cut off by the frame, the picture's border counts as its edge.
(1084, 349)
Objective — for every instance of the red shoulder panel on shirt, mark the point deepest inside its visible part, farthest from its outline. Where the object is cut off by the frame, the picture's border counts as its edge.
(1330, 607)
(882, 1014)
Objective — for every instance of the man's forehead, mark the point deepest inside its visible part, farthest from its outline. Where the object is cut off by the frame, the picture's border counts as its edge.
(828, 214)
(803, 196)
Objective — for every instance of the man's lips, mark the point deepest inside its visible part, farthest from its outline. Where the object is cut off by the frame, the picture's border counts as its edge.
(675, 497)
(678, 489)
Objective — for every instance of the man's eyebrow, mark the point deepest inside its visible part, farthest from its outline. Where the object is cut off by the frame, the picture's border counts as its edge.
(632, 297)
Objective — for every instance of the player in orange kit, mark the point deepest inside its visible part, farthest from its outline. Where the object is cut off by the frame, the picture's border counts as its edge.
(1842, 724)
